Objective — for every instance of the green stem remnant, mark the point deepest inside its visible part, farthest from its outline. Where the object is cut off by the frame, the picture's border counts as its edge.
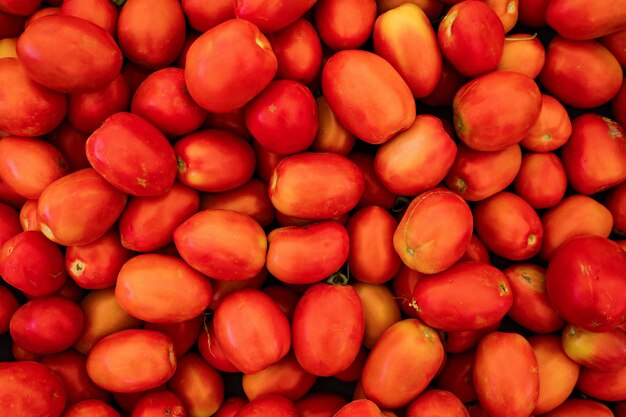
(118, 2)
(528, 38)
(338, 278)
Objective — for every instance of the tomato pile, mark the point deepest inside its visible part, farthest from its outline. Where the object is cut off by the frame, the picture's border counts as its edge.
(312, 208)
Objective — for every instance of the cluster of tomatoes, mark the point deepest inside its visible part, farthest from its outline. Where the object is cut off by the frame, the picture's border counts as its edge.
(313, 208)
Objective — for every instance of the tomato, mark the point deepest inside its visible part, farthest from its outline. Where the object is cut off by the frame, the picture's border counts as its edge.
(69, 365)
(285, 297)
(252, 330)
(222, 244)
(405, 37)
(31, 389)
(271, 16)
(403, 284)
(344, 24)
(618, 105)
(314, 323)
(231, 406)
(353, 372)
(27, 108)
(424, 147)
(465, 340)
(408, 352)
(331, 136)
(374, 193)
(477, 175)
(359, 408)
(71, 143)
(615, 202)
(379, 308)
(201, 157)
(10, 222)
(421, 239)
(283, 117)
(531, 306)
(20, 7)
(32, 264)
(53, 58)
(241, 63)
(234, 121)
(471, 37)
(200, 387)
(222, 288)
(299, 185)
(456, 376)
(608, 386)
(574, 19)
(507, 11)
(298, 51)
(541, 180)
(600, 351)
(202, 16)
(553, 128)
(476, 251)
(285, 377)
(11, 25)
(579, 407)
(532, 13)
(522, 53)
(557, 372)
(512, 390)
(8, 306)
(485, 118)
(449, 83)
(99, 12)
(269, 405)
(162, 289)
(320, 404)
(585, 282)
(442, 300)
(435, 402)
(575, 215)
(367, 95)
(210, 349)
(184, 334)
(615, 43)
(159, 402)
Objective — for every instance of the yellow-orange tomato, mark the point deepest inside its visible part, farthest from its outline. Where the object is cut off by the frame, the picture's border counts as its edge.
(600, 351)
(522, 53)
(380, 310)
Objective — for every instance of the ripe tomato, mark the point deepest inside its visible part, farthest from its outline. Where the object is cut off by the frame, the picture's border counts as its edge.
(285, 377)
(159, 402)
(434, 403)
(271, 16)
(344, 24)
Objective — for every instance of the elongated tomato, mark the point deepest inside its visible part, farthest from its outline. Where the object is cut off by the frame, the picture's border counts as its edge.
(359, 408)
(367, 95)
(576, 19)
(271, 16)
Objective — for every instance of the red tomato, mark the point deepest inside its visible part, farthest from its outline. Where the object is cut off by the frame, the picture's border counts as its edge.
(184, 334)
(476, 251)
(541, 180)
(269, 405)
(46, 325)
(471, 37)
(71, 143)
(522, 53)
(375, 192)
(26, 107)
(8, 306)
(151, 33)
(283, 117)
(585, 282)
(11, 25)
(616, 42)
(163, 100)
(285, 297)
(31, 389)
(367, 95)
(401, 364)
(331, 136)
(271, 16)
(252, 330)
(551, 130)
(435, 403)
(10, 222)
(211, 351)
(28, 216)
(285, 377)
(32, 264)
(600, 351)
(241, 63)
(403, 284)
(443, 301)
(449, 83)
(532, 13)
(320, 404)
(231, 406)
(456, 376)
(202, 16)
(100, 12)
(20, 7)
(428, 242)
(222, 288)
(510, 390)
(432, 8)
(608, 386)
(579, 407)
(344, 24)
(465, 340)
(615, 202)
(574, 19)
(315, 324)
(359, 408)
(159, 403)
(53, 57)
(90, 408)
(353, 372)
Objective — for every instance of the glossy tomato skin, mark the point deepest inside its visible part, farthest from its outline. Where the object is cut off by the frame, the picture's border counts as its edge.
(10, 222)
(607, 386)
(435, 402)
(380, 311)
(304, 255)
(132, 360)
(52, 57)
(162, 289)
(283, 117)
(46, 325)
(30, 389)
(513, 390)
(465, 340)
(600, 351)
(299, 186)
(585, 282)
(541, 180)
(344, 24)
(79, 208)
(442, 304)
(271, 16)
(331, 136)
(403, 284)
(183, 333)
(359, 408)
(268, 405)
(449, 83)
(615, 202)
(579, 407)
(421, 225)
(285, 377)
(574, 19)
(32, 264)
(161, 402)
(150, 33)
(315, 323)
(408, 351)
(27, 107)
(522, 53)
(99, 12)
(252, 330)
(211, 351)
(551, 130)
(89, 408)
(222, 244)
(71, 143)
(203, 16)
(367, 95)
(233, 81)
(222, 288)
(20, 8)
(375, 193)
(133, 155)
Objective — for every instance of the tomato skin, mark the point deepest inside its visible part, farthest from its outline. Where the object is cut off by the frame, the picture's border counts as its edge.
(30, 389)
(574, 19)
(585, 282)
(600, 351)
(133, 155)
(222, 288)
(199, 386)
(231, 406)
(491, 297)
(367, 95)
(71, 143)
(541, 180)
(424, 144)
(615, 43)
(408, 351)
(234, 80)
(476, 251)
(375, 193)
(532, 13)
(299, 185)
(579, 407)
(283, 117)
(8, 306)
(608, 386)
(211, 351)
(522, 53)
(405, 38)
(184, 333)
(331, 136)
(10, 223)
(99, 12)
(615, 202)
(403, 284)
(421, 240)
(47, 46)
(507, 11)
(531, 306)
(456, 376)
(551, 130)
(473, 49)
(268, 405)
(449, 83)
(162, 289)
(359, 408)
(159, 402)
(380, 310)
(285, 377)
(344, 24)
(202, 16)
(320, 404)
(28, 216)
(89, 408)
(32, 264)
(512, 391)
(244, 318)
(435, 402)
(465, 340)
(271, 16)
(479, 103)
(304, 255)
(315, 321)
(27, 108)
(46, 325)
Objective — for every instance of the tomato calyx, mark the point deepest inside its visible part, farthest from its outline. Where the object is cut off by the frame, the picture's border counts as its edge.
(118, 2)
(338, 278)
